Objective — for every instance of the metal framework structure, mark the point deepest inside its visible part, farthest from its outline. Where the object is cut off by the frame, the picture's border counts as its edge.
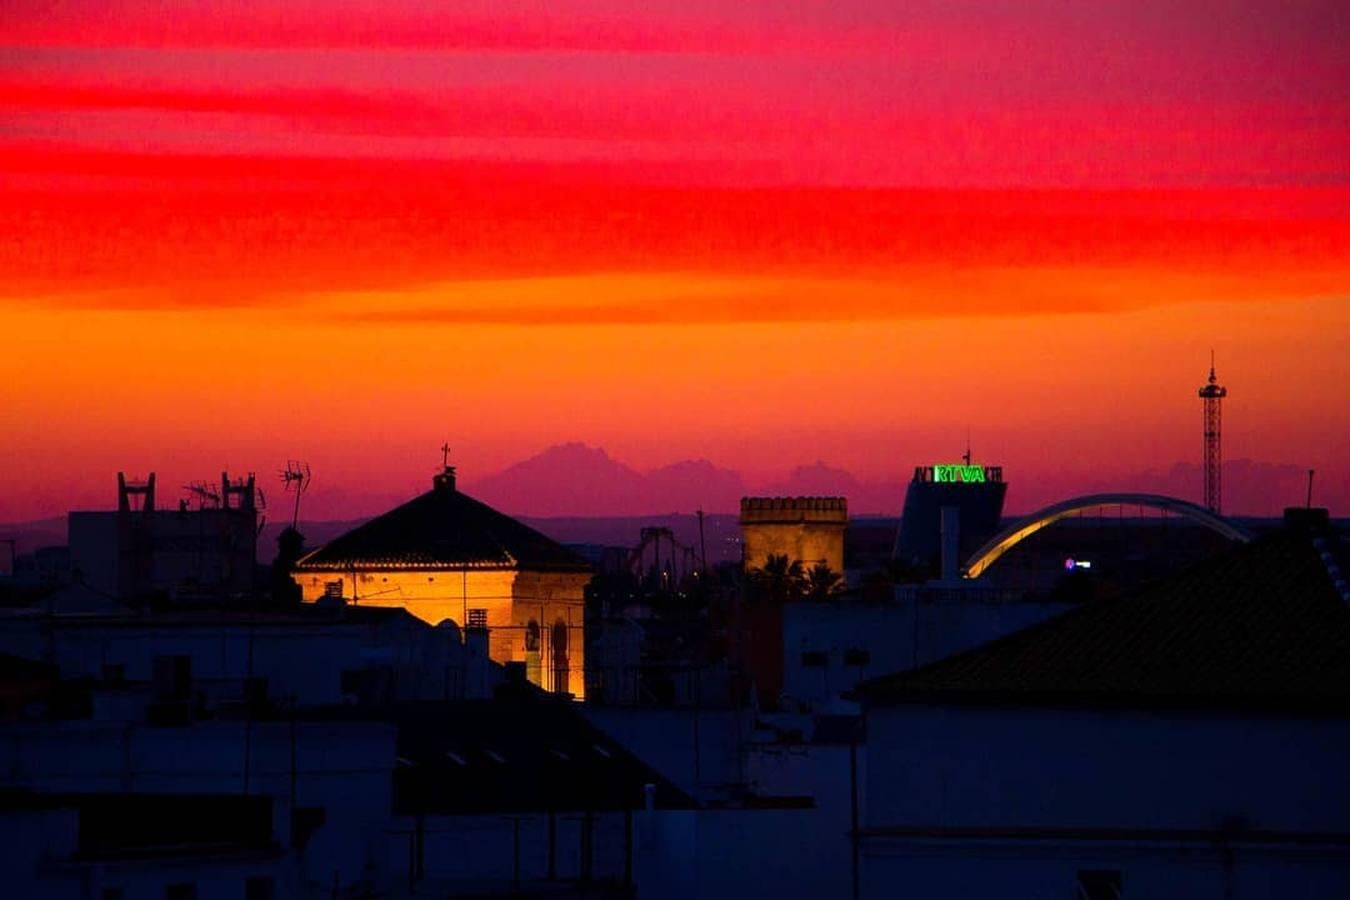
(1212, 394)
(667, 572)
(1010, 537)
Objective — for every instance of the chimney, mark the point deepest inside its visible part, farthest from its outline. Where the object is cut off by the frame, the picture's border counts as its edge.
(514, 684)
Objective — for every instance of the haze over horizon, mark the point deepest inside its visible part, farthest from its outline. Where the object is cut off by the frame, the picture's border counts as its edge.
(760, 235)
(577, 480)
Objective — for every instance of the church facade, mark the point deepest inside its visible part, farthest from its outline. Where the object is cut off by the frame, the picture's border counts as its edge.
(445, 556)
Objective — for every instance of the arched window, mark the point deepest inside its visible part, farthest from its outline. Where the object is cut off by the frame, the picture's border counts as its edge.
(532, 637)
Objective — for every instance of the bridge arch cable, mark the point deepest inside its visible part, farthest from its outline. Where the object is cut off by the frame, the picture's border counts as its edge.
(1019, 531)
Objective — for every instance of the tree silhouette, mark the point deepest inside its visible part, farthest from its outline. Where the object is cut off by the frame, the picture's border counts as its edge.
(779, 579)
(822, 582)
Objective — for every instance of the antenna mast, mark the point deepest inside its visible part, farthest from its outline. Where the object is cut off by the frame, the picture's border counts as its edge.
(296, 479)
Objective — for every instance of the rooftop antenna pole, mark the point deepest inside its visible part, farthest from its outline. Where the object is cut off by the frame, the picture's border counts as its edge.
(296, 474)
(445, 454)
(967, 456)
(1311, 472)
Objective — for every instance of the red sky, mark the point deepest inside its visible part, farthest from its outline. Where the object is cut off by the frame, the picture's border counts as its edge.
(757, 233)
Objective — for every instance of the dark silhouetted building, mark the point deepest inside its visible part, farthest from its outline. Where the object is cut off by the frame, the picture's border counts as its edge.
(976, 492)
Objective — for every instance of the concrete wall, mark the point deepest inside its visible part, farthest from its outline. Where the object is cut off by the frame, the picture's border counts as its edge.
(1004, 771)
(211, 549)
(213, 879)
(461, 853)
(737, 852)
(37, 850)
(1172, 870)
(301, 663)
(731, 854)
(914, 630)
(30, 842)
(820, 860)
(342, 767)
(698, 750)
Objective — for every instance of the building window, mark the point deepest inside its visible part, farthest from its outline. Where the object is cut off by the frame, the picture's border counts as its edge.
(478, 618)
(855, 656)
(184, 891)
(114, 893)
(333, 589)
(260, 887)
(815, 658)
(1099, 884)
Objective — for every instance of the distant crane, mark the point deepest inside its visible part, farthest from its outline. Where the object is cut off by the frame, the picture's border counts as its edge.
(296, 478)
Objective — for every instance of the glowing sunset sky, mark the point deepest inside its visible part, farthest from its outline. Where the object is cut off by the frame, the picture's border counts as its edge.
(761, 233)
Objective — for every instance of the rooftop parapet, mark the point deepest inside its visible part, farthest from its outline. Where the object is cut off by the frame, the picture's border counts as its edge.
(794, 509)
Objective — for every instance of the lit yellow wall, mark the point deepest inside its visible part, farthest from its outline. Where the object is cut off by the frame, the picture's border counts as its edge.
(809, 542)
(810, 529)
(511, 599)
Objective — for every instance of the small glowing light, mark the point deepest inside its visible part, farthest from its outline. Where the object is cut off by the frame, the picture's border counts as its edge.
(1070, 564)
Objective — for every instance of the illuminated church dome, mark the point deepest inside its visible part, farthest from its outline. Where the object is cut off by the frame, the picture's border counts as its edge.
(443, 529)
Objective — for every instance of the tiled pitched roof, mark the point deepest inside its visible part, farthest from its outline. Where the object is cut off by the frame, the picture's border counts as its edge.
(526, 753)
(443, 528)
(1261, 626)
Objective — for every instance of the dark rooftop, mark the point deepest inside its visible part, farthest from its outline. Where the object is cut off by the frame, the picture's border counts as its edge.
(308, 614)
(443, 528)
(522, 752)
(126, 825)
(1262, 626)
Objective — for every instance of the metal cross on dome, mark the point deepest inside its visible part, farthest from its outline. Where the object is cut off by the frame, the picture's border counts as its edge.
(445, 454)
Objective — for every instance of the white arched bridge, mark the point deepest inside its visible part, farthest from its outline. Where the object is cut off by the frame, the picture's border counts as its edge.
(1019, 531)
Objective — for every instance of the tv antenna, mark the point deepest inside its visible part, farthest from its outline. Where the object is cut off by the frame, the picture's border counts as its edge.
(296, 478)
(207, 496)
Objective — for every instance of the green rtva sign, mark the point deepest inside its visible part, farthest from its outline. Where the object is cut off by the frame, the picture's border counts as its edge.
(952, 474)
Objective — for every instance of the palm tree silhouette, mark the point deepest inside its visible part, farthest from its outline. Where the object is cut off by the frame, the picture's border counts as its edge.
(822, 582)
(779, 579)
